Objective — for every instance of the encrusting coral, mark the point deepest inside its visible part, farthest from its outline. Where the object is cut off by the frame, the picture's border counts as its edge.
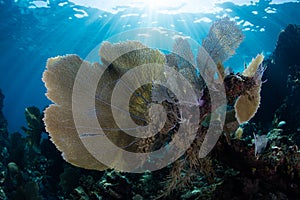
(59, 77)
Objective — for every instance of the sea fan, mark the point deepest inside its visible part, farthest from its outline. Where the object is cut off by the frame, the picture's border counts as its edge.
(223, 38)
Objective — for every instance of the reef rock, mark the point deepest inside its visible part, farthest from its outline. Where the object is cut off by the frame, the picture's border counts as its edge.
(282, 63)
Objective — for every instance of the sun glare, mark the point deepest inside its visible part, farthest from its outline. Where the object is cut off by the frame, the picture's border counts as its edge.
(156, 4)
(179, 6)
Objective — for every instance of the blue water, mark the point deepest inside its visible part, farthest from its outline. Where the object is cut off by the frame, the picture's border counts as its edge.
(32, 31)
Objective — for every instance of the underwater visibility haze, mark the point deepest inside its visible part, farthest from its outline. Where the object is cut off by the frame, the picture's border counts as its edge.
(149, 99)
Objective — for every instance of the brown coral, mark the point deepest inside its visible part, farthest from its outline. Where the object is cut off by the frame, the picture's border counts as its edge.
(247, 104)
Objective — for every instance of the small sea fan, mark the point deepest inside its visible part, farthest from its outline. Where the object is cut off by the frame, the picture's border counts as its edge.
(223, 38)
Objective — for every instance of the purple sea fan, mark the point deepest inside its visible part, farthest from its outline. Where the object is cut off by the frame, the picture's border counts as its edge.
(200, 102)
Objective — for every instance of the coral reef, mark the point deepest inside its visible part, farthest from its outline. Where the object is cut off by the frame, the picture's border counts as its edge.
(24, 173)
(247, 161)
(276, 168)
(242, 90)
(60, 77)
